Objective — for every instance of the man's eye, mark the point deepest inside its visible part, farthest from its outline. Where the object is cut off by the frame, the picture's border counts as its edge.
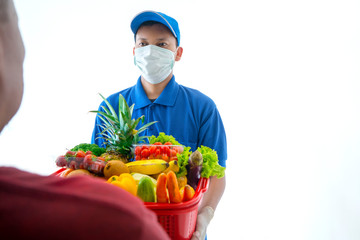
(142, 44)
(161, 44)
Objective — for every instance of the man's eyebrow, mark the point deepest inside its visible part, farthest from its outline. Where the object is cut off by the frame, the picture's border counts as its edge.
(140, 38)
(158, 39)
(163, 39)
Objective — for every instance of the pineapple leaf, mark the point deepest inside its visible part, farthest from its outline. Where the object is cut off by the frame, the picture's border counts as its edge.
(106, 110)
(134, 123)
(144, 127)
(107, 119)
(127, 120)
(119, 129)
(109, 106)
(141, 139)
(121, 103)
(132, 109)
(124, 111)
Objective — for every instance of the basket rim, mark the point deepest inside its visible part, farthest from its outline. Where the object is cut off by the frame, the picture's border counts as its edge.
(200, 190)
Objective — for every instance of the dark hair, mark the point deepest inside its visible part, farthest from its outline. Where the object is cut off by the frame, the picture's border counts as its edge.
(151, 23)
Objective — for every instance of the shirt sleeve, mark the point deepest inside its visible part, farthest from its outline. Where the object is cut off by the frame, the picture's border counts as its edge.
(81, 207)
(212, 134)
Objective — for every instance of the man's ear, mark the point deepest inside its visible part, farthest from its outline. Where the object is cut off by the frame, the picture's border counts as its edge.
(179, 53)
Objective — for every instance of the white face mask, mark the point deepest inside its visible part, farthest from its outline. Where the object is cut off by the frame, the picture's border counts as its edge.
(155, 63)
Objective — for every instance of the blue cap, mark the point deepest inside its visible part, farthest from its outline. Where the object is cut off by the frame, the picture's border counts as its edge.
(157, 17)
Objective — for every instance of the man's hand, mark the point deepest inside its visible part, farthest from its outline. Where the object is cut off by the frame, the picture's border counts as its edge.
(203, 219)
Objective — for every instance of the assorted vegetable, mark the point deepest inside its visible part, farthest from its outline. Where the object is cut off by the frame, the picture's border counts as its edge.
(211, 165)
(161, 189)
(194, 168)
(158, 150)
(119, 129)
(146, 190)
(183, 161)
(81, 160)
(173, 188)
(162, 171)
(187, 193)
(95, 149)
(163, 138)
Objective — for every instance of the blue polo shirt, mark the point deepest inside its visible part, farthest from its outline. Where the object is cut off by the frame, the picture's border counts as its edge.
(187, 114)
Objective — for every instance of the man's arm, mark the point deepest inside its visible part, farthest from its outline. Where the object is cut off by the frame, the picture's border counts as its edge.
(214, 193)
(206, 210)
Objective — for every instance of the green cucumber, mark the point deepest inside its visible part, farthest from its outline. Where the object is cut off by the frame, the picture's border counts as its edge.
(146, 189)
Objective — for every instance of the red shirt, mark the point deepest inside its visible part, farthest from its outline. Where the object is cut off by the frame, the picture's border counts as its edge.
(81, 208)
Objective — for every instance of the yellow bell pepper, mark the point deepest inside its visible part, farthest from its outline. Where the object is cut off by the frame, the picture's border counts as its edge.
(126, 182)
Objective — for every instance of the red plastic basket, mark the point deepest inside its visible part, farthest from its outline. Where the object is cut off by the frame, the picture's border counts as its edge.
(178, 219)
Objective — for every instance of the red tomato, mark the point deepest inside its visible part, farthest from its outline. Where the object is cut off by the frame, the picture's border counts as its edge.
(166, 150)
(152, 150)
(137, 150)
(137, 157)
(165, 157)
(61, 161)
(168, 143)
(88, 160)
(88, 153)
(80, 153)
(178, 149)
(70, 153)
(157, 143)
(145, 153)
(158, 153)
(173, 153)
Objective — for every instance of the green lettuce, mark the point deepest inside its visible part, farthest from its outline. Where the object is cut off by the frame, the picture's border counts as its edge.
(210, 165)
(163, 138)
(183, 161)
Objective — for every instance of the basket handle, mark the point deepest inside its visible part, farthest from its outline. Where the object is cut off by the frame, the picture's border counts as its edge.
(204, 184)
(58, 172)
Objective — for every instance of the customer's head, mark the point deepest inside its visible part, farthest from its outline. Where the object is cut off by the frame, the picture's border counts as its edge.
(12, 54)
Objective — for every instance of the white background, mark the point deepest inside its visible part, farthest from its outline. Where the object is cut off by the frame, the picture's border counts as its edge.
(284, 75)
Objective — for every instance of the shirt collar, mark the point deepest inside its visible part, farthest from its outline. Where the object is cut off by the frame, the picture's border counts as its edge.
(167, 97)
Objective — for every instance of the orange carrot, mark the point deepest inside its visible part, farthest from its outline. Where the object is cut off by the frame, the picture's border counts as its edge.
(187, 193)
(161, 192)
(173, 188)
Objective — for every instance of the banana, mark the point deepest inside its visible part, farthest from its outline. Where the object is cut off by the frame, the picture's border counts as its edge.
(173, 166)
(148, 167)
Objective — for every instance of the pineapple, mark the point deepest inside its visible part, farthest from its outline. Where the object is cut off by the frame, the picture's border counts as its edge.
(119, 131)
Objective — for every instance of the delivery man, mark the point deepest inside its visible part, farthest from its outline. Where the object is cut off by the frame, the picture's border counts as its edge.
(185, 113)
(49, 207)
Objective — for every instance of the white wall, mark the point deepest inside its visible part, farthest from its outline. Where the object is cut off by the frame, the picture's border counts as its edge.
(285, 77)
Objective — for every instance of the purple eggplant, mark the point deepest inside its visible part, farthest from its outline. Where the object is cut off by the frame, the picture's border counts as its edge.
(194, 169)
